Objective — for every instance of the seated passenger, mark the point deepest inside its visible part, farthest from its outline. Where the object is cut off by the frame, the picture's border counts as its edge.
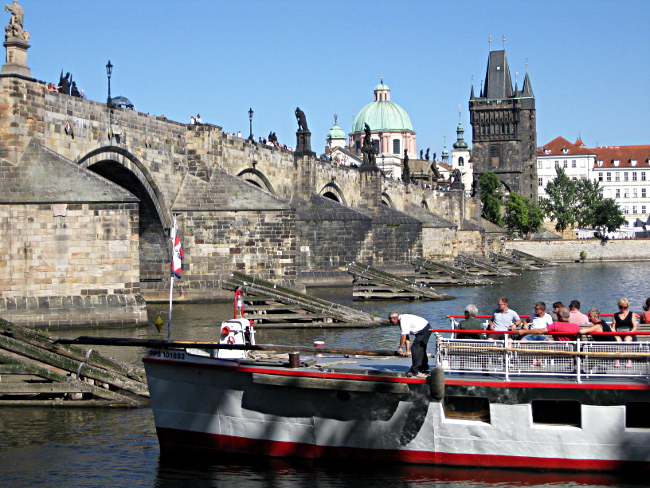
(645, 316)
(599, 325)
(625, 321)
(572, 330)
(539, 320)
(470, 323)
(575, 315)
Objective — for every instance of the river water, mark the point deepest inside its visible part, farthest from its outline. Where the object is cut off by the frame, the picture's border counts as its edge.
(118, 447)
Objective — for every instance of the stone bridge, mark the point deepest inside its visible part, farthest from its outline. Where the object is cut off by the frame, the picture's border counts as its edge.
(240, 205)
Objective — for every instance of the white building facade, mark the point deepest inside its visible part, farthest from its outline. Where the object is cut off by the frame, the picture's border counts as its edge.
(622, 171)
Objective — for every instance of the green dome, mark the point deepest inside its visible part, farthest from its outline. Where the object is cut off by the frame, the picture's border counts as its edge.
(382, 115)
(381, 86)
(336, 133)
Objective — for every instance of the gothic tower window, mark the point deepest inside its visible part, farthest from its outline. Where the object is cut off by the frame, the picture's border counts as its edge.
(461, 161)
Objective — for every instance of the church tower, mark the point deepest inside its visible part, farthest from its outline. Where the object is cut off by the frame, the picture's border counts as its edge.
(504, 129)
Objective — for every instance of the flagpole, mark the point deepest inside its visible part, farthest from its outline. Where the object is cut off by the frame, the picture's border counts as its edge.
(169, 321)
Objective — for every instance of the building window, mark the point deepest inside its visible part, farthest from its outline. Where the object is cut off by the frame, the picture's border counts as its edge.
(557, 164)
(634, 194)
(626, 193)
(626, 210)
(642, 175)
(540, 181)
(633, 175)
(600, 177)
(600, 162)
(609, 176)
(375, 145)
(575, 178)
(618, 193)
(565, 163)
(539, 165)
(642, 209)
(573, 163)
(642, 192)
(633, 209)
(461, 161)
(357, 146)
(396, 146)
(626, 176)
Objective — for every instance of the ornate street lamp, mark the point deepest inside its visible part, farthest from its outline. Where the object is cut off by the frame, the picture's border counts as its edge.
(109, 72)
(250, 120)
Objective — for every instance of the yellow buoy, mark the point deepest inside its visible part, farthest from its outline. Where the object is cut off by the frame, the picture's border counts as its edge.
(158, 323)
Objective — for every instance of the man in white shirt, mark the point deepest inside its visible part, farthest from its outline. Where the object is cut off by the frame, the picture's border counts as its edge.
(539, 320)
(412, 324)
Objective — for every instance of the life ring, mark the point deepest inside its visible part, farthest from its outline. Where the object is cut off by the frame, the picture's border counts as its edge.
(230, 340)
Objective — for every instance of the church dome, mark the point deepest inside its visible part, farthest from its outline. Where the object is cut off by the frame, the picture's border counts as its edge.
(336, 133)
(382, 115)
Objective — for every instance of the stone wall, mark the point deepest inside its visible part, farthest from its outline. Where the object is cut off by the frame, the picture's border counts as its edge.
(569, 250)
(70, 264)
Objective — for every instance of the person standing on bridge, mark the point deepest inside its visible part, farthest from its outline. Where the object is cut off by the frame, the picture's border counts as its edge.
(412, 324)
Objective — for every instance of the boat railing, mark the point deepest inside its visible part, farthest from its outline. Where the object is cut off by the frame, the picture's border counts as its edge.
(577, 359)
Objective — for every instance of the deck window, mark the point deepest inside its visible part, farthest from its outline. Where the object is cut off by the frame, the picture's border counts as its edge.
(467, 408)
(557, 412)
(636, 415)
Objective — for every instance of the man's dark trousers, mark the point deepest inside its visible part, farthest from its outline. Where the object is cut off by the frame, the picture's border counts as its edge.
(419, 351)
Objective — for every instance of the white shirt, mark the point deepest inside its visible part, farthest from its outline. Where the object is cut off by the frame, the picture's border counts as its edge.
(537, 322)
(411, 324)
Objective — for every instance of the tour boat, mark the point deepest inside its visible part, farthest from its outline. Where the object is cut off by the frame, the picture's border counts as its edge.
(572, 405)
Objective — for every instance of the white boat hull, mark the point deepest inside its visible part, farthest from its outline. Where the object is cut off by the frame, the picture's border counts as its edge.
(205, 404)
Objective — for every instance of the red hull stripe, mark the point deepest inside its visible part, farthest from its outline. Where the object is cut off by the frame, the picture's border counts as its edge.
(389, 379)
(186, 441)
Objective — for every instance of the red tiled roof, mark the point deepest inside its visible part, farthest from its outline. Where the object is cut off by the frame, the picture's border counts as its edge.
(624, 155)
(557, 146)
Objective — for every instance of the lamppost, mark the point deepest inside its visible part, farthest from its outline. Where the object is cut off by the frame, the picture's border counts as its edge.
(250, 120)
(109, 72)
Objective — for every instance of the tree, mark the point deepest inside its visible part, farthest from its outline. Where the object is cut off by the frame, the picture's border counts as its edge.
(491, 197)
(523, 217)
(589, 196)
(608, 216)
(560, 205)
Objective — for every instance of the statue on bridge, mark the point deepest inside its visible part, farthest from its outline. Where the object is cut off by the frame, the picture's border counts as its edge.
(426, 155)
(302, 120)
(15, 27)
(455, 179)
(368, 149)
(406, 173)
(65, 82)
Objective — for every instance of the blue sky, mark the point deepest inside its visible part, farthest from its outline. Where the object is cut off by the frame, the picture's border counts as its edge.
(588, 60)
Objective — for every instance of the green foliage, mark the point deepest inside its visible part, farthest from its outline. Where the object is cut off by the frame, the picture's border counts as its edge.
(608, 216)
(580, 202)
(560, 205)
(523, 217)
(491, 194)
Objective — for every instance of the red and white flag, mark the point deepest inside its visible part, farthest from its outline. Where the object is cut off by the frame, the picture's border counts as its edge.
(177, 251)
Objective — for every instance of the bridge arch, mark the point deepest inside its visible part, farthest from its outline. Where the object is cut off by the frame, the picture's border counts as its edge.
(333, 192)
(257, 178)
(387, 200)
(124, 169)
(134, 165)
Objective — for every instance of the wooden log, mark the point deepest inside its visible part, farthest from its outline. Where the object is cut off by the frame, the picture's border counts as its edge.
(152, 343)
(73, 366)
(38, 388)
(94, 358)
(32, 367)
